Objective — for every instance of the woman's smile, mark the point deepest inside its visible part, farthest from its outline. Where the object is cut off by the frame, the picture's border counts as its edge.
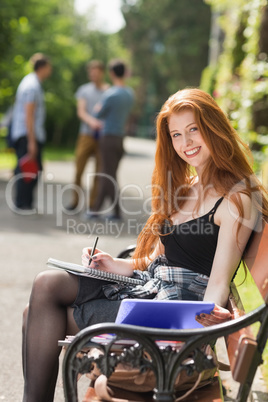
(192, 152)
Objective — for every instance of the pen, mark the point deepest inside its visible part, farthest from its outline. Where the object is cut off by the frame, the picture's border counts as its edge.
(93, 250)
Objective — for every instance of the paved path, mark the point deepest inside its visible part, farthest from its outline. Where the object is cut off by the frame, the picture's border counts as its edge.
(28, 241)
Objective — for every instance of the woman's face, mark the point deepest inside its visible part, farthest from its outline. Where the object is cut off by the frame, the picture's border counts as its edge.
(187, 139)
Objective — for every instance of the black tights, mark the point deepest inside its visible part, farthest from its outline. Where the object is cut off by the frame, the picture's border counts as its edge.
(45, 321)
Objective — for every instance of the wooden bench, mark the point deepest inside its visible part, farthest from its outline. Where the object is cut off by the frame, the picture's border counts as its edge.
(244, 350)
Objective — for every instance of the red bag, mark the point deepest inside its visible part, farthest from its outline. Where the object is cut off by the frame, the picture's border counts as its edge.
(29, 168)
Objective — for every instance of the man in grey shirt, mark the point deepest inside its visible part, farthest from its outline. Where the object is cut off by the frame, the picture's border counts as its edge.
(114, 109)
(87, 96)
(27, 129)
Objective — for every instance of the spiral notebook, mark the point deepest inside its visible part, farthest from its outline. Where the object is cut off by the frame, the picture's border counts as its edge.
(92, 273)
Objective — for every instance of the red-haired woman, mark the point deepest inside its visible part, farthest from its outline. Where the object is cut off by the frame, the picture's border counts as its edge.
(206, 201)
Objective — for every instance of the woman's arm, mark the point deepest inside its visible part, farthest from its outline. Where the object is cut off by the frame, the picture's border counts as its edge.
(106, 262)
(231, 245)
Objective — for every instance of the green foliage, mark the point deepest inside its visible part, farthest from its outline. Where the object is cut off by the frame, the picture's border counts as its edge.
(208, 78)
(53, 28)
(168, 41)
(165, 43)
(240, 84)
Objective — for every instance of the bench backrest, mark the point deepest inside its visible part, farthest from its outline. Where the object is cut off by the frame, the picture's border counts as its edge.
(256, 259)
(242, 345)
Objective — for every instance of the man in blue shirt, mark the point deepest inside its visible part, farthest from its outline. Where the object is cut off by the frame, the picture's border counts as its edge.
(27, 130)
(88, 95)
(114, 110)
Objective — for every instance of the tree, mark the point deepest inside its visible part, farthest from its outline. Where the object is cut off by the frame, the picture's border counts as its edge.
(238, 79)
(53, 28)
(168, 41)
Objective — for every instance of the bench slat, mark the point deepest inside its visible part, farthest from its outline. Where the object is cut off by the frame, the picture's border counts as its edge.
(242, 345)
(256, 259)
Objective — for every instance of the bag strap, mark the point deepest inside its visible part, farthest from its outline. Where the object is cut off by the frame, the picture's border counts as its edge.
(187, 393)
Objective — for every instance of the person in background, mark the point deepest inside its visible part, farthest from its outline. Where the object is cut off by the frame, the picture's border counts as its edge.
(114, 108)
(87, 96)
(27, 129)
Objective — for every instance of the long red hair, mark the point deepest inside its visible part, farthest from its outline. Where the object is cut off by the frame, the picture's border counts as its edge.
(227, 168)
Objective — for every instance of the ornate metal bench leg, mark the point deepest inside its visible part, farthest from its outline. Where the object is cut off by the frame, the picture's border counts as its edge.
(70, 379)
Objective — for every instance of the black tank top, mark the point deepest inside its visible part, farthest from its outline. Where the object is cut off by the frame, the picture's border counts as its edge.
(192, 244)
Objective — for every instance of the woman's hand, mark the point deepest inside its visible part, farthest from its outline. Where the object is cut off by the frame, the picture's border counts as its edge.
(100, 260)
(217, 316)
(106, 262)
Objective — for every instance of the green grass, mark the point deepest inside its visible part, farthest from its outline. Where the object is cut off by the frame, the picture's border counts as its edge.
(58, 154)
(7, 159)
(251, 299)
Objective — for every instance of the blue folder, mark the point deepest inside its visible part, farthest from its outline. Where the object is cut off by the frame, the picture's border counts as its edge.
(169, 314)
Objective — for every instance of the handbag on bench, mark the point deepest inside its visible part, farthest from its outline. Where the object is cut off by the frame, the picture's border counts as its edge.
(130, 379)
(127, 378)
